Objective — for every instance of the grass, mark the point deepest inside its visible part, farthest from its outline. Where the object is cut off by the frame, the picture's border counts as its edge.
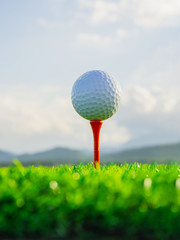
(130, 201)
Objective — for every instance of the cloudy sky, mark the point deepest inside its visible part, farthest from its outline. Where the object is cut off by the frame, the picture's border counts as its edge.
(46, 45)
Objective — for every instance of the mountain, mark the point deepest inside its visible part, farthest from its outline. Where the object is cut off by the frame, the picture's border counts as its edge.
(51, 157)
(6, 156)
(161, 154)
(54, 156)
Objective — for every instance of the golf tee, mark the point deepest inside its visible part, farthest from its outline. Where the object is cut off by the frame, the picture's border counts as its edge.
(96, 128)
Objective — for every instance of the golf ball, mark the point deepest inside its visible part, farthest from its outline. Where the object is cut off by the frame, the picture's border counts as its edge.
(96, 95)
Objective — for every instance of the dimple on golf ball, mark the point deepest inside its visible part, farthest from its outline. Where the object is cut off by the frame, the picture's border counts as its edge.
(96, 95)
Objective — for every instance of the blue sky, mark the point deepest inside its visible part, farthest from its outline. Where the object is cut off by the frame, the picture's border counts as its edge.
(46, 45)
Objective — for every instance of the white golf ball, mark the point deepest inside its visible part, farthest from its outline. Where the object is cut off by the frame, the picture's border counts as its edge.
(96, 95)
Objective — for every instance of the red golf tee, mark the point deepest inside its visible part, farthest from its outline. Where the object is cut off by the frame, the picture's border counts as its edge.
(96, 127)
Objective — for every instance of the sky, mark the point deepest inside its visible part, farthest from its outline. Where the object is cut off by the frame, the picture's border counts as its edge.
(46, 45)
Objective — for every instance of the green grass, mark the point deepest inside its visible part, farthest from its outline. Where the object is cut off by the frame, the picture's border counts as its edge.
(128, 202)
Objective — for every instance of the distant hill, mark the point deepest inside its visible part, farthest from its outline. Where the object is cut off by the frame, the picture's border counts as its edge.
(51, 157)
(54, 156)
(6, 156)
(162, 154)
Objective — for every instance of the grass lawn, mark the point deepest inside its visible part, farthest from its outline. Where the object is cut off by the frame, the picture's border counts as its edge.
(130, 201)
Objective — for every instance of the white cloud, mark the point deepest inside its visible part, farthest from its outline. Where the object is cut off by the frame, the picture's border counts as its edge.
(27, 111)
(43, 22)
(40, 117)
(154, 86)
(160, 72)
(145, 13)
(140, 99)
(54, 24)
(148, 101)
(35, 118)
(112, 134)
(122, 33)
(152, 13)
(150, 107)
(169, 104)
(94, 39)
(102, 11)
(29, 114)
